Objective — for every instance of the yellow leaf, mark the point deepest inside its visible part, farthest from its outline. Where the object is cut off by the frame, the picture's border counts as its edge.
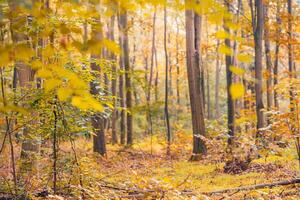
(87, 102)
(244, 58)
(48, 52)
(51, 84)
(64, 93)
(222, 35)
(5, 59)
(111, 46)
(95, 105)
(36, 64)
(237, 90)
(232, 26)
(225, 50)
(24, 53)
(44, 73)
(237, 70)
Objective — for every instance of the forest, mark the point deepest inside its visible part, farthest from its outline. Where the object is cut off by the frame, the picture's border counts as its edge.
(149, 99)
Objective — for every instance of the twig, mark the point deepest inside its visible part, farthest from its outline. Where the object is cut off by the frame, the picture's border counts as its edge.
(254, 187)
(65, 125)
(9, 137)
(184, 181)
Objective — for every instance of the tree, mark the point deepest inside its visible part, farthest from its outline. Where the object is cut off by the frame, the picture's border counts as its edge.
(25, 75)
(195, 90)
(258, 24)
(128, 72)
(121, 86)
(217, 81)
(290, 53)
(277, 46)
(148, 97)
(166, 83)
(230, 102)
(113, 82)
(177, 64)
(268, 58)
(98, 122)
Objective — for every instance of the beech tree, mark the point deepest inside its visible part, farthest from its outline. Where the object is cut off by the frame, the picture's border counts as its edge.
(98, 121)
(128, 74)
(195, 90)
(258, 25)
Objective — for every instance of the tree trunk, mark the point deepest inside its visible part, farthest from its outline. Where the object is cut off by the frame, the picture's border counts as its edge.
(217, 83)
(98, 122)
(268, 60)
(195, 90)
(258, 35)
(177, 65)
(166, 83)
(207, 75)
(198, 28)
(277, 46)
(290, 54)
(121, 87)
(230, 102)
(24, 74)
(156, 77)
(113, 83)
(128, 72)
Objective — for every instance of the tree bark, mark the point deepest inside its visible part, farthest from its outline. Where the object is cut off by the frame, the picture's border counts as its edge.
(113, 83)
(177, 64)
(156, 77)
(277, 46)
(268, 60)
(217, 81)
(166, 83)
(230, 102)
(97, 120)
(290, 54)
(258, 35)
(195, 90)
(128, 72)
(198, 28)
(25, 76)
(121, 88)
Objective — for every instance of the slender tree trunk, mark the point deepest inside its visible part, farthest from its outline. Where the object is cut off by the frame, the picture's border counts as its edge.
(170, 83)
(217, 83)
(197, 35)
(177, 64)
(208, 94)
(54, 148)
(277, 46)
(166, 83)
(268, 60)
(152, 55)
(149, 82)
(128, 74)
(195, 90)
(258, 36)
(113, 83)
(156, 77)
(98, 122)
(230, 102)
(290, 54)
(207, 75)
(8, 132)
(133, 63)
(121, 88)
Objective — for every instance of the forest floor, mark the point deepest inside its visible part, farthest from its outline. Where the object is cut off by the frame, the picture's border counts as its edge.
(136, 173)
